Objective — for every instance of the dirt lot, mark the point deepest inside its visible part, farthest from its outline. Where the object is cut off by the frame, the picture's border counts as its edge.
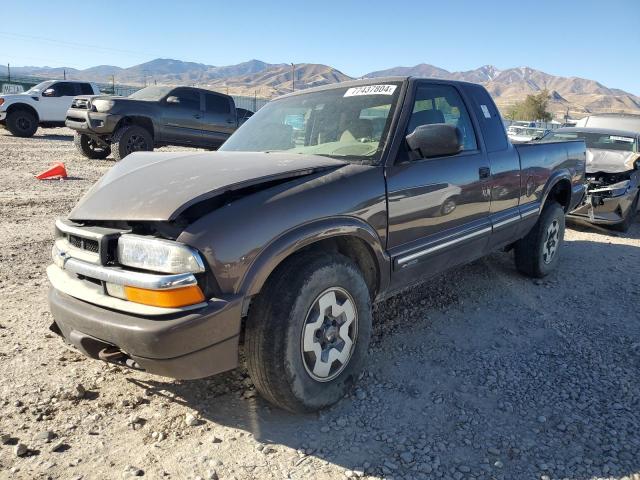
(478, 374)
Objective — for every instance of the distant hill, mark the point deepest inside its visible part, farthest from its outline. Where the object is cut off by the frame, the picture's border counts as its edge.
(578, 95)
(509, 86)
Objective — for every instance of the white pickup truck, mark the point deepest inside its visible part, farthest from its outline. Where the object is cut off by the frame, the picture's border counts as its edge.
(44, 105)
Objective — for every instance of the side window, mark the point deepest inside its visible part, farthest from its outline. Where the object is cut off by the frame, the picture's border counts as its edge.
(85, 89)
(442, 104)
(65, 89)
(189, 99)
(216, 103)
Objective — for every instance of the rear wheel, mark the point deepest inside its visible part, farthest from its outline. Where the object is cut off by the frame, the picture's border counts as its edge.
(308, 332)
(625, 224)
(537, 254)
(89, 147)
(22, 123)
(129, 139)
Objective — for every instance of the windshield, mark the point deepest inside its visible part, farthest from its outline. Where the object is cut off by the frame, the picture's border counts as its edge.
(39, 88)
(600, 141)
(346, 123)
(151, 94)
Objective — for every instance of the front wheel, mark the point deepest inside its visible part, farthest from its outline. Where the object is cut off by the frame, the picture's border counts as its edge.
(308, 332)
(22, 123)
(89, 147)
(537, 254)
(130, 138)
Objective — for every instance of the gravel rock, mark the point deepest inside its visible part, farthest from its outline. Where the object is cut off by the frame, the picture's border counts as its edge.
(45, 436)
(20, 450)
(131, 471)
(191, 420)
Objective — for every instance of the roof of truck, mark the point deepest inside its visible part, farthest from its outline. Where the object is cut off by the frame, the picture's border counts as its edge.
(373, 81)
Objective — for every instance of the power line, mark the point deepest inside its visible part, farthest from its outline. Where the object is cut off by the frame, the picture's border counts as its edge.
(79, 45)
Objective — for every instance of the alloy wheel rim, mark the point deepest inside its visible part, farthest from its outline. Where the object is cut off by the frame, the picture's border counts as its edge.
(23, 123)
(329, 334)
(550, 244)
(93, 145)
(136, 143)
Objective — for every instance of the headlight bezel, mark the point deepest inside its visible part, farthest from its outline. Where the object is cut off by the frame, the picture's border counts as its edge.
(102, 105)
(159, 255)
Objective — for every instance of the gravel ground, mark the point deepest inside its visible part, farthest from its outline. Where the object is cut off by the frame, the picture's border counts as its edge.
(480, 373)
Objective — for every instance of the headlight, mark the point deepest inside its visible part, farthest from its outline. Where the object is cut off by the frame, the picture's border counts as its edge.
(158, 255)
(103, 105)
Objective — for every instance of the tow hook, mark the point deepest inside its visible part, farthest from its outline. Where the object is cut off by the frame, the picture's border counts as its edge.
(117, 356)
(112, 355)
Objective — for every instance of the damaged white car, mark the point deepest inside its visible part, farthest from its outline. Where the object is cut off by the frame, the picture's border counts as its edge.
(613, 174)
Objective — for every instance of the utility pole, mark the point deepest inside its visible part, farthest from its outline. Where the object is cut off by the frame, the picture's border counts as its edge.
(293, 77)
(9, 71)
(64, 74)
(113, 84)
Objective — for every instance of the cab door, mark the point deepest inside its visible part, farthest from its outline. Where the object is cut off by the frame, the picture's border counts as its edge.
(438, 208)
(182, 117)
(56, 100)
(219, 118)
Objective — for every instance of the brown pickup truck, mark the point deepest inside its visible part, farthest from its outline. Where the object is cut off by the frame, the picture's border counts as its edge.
(323, 202)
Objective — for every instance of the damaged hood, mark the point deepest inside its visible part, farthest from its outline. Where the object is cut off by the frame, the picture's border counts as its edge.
(148, 186)
(610, 161)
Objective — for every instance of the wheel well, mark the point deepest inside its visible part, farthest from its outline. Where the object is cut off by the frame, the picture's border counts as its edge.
(23, 106)
(350, 246)
(561, 193)
(143, 122)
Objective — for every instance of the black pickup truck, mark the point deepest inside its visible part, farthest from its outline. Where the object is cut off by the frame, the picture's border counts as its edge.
(152, 117)
(323, 202)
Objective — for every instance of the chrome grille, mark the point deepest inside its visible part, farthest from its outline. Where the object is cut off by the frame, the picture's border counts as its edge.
(81, 103)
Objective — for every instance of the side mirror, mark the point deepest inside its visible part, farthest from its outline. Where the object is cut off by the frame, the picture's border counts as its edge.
(435, 140)
(173, 99)
(49, 92)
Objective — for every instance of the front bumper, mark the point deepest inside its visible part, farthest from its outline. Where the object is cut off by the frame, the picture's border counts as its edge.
(86, 121)
(3, 116)
(604, 207)
(184, 345)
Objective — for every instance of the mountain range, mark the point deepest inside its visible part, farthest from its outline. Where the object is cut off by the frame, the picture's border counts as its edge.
(576, 95)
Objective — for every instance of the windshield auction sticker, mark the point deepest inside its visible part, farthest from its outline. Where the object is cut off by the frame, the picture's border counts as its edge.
(370, 90)
(616, 138)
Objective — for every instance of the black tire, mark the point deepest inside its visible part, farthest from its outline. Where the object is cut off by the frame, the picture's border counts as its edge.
(89, 147)
(625, 224)
(129, 139)
(22, 123)
(277, 359)
(537, 254)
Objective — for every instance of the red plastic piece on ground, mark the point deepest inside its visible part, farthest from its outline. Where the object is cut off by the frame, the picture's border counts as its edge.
(56, 170)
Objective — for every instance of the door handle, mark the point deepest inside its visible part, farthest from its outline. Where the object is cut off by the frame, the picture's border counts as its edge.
(484, 172)
(197, 116)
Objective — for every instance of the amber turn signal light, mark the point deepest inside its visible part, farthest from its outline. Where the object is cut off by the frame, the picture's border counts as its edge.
(177, 297)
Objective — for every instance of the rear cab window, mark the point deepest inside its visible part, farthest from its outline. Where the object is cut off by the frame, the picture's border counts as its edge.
(488, 117)
(216, 104)
(85, 89)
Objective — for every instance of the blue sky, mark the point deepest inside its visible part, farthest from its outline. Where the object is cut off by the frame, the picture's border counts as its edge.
(596, 40)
